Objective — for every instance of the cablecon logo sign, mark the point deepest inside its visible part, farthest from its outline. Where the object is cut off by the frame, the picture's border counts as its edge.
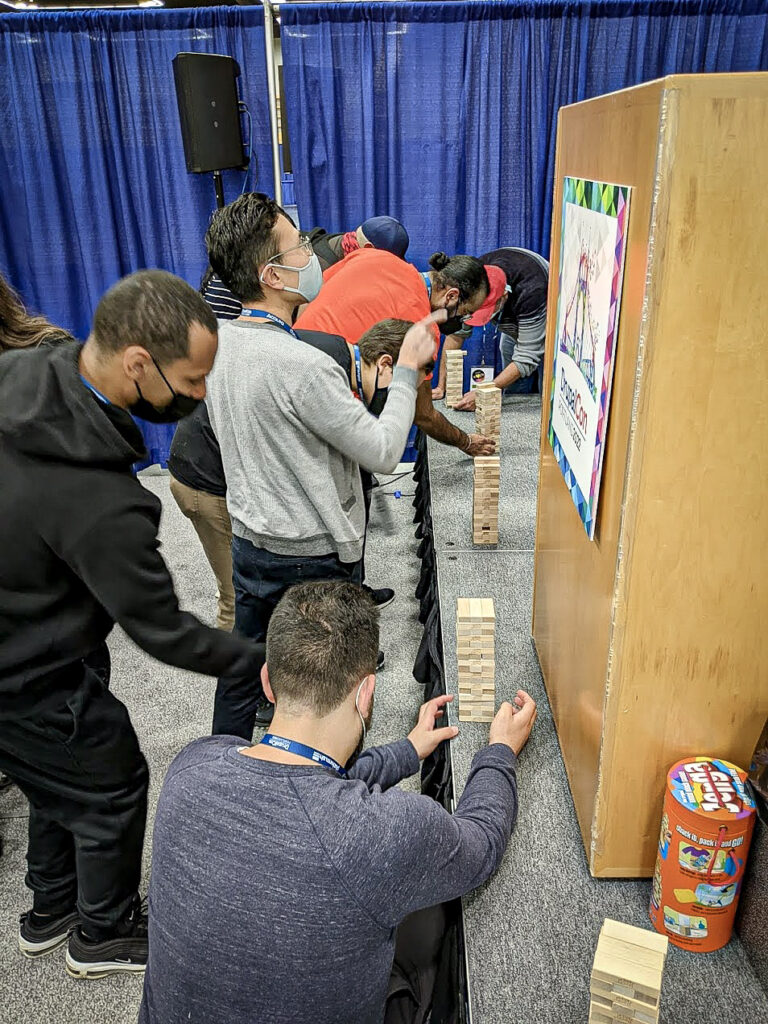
(572, 398)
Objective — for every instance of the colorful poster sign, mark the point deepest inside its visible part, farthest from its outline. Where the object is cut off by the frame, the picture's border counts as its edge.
(592, 249)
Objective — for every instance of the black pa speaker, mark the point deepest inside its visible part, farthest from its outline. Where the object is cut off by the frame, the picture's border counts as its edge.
(206, 89)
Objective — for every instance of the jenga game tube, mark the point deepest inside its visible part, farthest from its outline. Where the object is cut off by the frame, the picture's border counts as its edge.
(706, 829)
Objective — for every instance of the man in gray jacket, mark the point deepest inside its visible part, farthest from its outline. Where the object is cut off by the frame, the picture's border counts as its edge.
(281, 872)
(292, 436)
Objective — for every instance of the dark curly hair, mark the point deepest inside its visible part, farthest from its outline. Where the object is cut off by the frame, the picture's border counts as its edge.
(463, 272)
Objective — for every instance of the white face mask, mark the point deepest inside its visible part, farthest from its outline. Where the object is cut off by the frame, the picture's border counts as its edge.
(310, 278)
(359, 712)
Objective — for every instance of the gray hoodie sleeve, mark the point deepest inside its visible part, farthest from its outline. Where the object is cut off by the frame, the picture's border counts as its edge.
(386, 766)
(411, 853)
(329, 409)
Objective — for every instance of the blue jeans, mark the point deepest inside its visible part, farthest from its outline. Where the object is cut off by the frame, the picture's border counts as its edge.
(523, 385)
(260, 580)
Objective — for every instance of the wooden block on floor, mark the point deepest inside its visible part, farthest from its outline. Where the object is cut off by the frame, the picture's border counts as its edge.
(476, 664)
(637, 936)
(485, 499)
(488, 411)
(625, 985)
(454, 378)
(621, 1008)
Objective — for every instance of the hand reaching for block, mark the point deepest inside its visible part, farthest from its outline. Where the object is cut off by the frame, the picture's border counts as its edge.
(513, 722)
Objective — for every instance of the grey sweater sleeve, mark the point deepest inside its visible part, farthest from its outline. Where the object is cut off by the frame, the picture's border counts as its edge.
(417, 854)
(527, 355)
(328, 408)
(386, 766)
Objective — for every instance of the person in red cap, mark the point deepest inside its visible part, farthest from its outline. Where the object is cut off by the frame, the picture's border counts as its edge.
(517, 305)
(370, 285)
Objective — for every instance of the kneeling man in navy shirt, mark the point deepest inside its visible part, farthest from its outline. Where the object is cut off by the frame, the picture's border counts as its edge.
(282, 871)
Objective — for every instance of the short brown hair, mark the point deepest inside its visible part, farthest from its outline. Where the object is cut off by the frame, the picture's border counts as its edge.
(322, 641)
(384, 339)
(154, 309)
(240, 239)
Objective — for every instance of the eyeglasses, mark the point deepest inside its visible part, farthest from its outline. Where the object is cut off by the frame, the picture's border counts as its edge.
(304, 246)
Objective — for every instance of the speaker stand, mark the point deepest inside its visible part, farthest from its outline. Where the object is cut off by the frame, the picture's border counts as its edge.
(219, 186)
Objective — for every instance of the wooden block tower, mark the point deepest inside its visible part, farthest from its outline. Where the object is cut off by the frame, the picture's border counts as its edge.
(488, 411)
(454, 376)
(475, 638)
(626, 975)
(485, 500)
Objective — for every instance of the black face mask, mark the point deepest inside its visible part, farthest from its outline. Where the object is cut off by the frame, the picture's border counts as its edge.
(178, 407)
(454, 323)
(378, 398)
(452, 326)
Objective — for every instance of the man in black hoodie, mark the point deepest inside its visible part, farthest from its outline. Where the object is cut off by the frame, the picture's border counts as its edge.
(79, 552)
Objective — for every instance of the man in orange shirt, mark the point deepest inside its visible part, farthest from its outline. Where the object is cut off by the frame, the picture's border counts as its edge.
(371, 285)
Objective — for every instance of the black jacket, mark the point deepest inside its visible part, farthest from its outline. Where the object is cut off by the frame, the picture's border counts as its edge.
(78, 538)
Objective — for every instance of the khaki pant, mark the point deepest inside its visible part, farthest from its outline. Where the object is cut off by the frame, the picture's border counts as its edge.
(210, 518)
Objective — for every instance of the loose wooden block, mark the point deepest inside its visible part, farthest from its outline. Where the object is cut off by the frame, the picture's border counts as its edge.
(638, 936)
(624, 969)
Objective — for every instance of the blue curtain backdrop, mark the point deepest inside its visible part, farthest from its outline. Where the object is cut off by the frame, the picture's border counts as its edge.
(93, 183)
(444, 114)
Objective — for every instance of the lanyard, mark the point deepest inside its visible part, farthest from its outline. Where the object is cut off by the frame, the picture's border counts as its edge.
(293, 747)
(428, 283)
(359, 374)
(262, 314)
(101, 398)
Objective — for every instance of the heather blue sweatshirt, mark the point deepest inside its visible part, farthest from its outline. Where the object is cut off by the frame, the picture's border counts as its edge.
(276, 889)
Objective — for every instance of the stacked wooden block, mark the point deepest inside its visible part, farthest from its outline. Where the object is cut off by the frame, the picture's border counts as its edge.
(475, 639)
(485, 500)
(454, 376)
(488, 412)
(626, 975)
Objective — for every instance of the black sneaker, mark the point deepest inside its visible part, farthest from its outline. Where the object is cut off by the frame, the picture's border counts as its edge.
(381, 597)
(265, 709)
(380, 661)
(5, 782)
(125, 952)
(40, 935)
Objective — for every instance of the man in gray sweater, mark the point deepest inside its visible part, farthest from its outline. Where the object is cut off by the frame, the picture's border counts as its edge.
(292, 436)
(280, 872)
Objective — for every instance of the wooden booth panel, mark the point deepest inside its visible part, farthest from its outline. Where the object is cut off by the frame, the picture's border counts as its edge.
(690, 640)
(609, 139)
(652, 639)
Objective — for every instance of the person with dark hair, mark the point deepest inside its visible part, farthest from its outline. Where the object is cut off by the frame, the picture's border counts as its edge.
(198, 484)
(20, 329)
(369, 286)
(384, 233)
(518, 309)
(317, 870)
(292, 437)
(79, 552)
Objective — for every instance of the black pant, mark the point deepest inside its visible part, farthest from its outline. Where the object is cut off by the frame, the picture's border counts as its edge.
(261, 578)
(418, 944)
(76, 758)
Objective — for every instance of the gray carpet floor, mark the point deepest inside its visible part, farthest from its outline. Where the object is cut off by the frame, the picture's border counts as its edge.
(169, 708)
